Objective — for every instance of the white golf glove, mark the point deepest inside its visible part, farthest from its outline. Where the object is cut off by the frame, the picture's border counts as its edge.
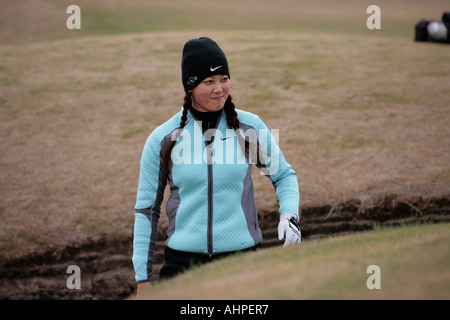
(288, 227)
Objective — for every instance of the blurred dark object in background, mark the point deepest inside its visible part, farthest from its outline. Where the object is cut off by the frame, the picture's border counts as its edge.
(435, 31)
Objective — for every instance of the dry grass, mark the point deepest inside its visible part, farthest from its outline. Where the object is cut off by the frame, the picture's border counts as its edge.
(413, 262)
(28, 21)
(361, 114)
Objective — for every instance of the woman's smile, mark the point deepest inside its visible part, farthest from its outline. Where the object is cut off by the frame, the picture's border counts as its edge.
(211, 94)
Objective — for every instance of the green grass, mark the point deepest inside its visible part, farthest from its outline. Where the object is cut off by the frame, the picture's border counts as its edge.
(413, 261)
(45, 20)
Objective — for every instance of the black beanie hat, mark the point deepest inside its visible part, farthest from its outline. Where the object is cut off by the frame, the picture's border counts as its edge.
(202, 58)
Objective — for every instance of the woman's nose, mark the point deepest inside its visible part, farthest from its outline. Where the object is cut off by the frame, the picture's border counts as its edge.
(217, 87)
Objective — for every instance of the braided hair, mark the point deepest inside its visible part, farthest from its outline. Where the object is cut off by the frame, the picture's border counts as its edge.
(168, 149)
(251, 150)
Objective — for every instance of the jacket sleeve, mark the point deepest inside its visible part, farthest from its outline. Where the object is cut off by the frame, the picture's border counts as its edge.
(152, 182)
(277, 169)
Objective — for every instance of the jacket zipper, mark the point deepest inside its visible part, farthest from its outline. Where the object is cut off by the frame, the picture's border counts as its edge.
(210, 190)
(210, 210)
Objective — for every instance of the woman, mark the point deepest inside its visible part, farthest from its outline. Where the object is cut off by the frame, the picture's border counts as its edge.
(205, 152)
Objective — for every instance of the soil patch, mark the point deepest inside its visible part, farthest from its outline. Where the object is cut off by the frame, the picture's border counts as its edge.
(107, 271)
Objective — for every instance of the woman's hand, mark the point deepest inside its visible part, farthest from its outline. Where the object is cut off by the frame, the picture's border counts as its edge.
(289, 228)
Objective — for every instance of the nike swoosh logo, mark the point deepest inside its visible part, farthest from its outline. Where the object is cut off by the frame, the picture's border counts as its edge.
(222, 138)
(214, 69)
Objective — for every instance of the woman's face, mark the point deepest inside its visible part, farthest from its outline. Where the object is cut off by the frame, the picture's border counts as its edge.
(211, 93)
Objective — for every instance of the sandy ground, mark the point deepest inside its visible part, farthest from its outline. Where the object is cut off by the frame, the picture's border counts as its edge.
(107, 272)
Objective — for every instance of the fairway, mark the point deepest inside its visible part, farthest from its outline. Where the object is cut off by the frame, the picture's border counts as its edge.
(362, 117)
(413, 264)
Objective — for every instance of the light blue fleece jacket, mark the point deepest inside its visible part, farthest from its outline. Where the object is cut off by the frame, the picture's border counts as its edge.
(211, 208)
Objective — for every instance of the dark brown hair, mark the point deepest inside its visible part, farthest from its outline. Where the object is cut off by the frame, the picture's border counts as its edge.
(233, 123)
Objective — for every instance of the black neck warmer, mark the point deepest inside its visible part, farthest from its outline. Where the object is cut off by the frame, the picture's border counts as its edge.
(209, 119)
